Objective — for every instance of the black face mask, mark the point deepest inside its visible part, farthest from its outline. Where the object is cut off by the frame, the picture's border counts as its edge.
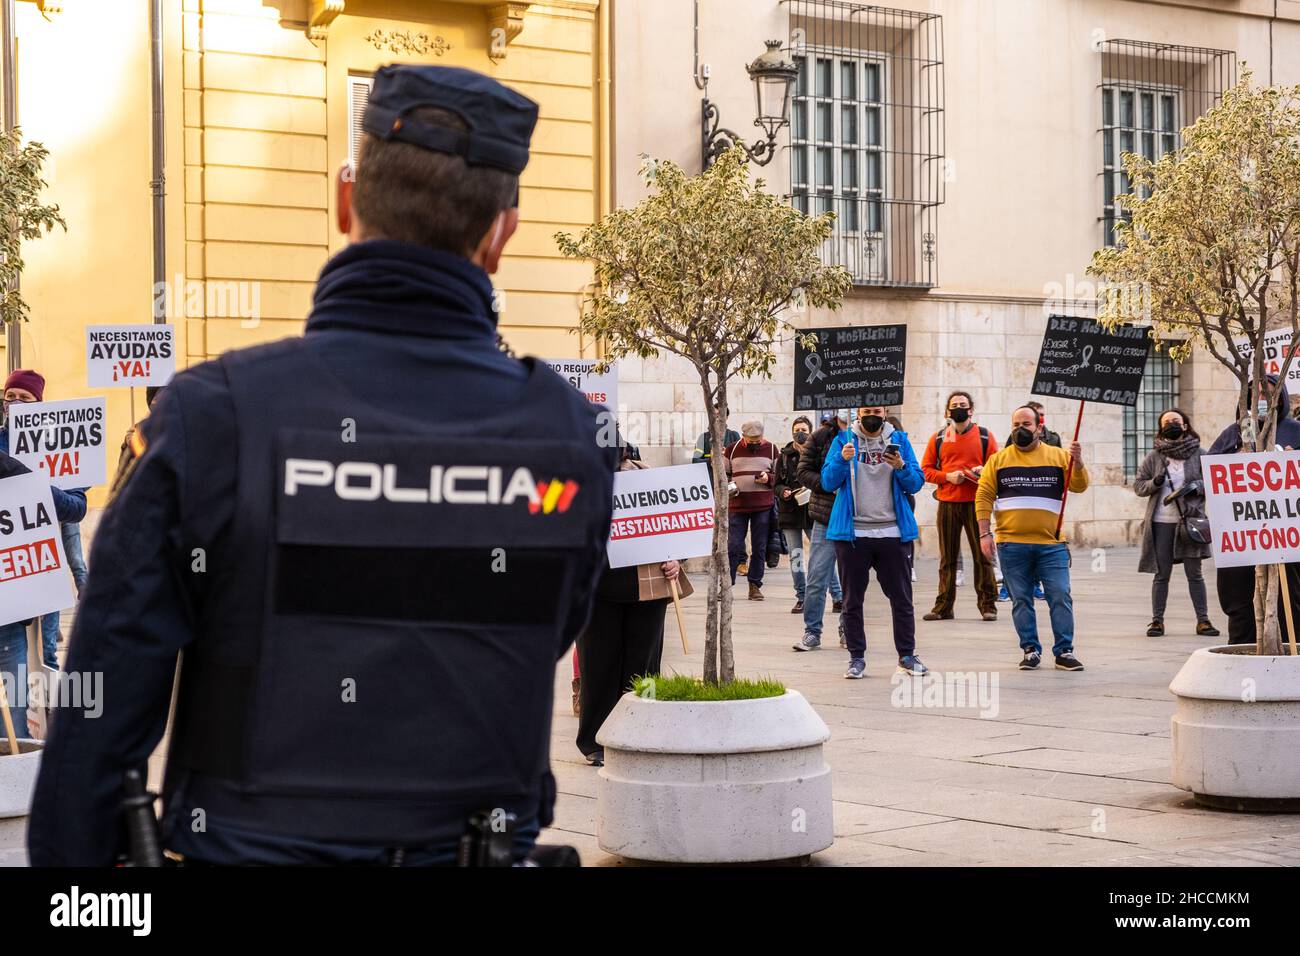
(871, 423)
(959, 415)
(1023, 437)
(1172, 431)
(800, 437)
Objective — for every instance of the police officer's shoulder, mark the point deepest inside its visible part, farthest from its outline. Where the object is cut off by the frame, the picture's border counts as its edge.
(197, 399)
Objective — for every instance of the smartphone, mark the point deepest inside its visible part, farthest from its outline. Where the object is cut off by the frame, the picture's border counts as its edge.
(891, 449)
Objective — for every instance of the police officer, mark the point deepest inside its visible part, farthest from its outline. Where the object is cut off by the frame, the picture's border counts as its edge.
(373, 542)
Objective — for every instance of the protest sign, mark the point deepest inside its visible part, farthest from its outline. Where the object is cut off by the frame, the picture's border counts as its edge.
(601, 388)
(1080, 359)
(661, 514)
(1253, 503)
(119, 356)
(851, 368)
(1277, 345)
(33, 570)
(64, 441)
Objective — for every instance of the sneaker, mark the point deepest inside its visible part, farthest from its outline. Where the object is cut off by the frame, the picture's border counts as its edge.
(857, 669)
(1038, 592)
(798, 608)
(1206, 629)
(911, 664)
(596, 758)
(837, 607)
(843, 641)
(1031, 660)
(742, 568)
(990, 615)
(936, 616)
(755, 592)
(1003, 593)
(809, 642)
(1156, 628)
(961, 578)
(1068, 662)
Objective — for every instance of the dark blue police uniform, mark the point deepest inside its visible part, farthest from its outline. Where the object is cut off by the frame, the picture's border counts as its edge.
(372, 543)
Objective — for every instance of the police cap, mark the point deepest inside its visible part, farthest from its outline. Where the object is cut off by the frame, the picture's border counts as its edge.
(500, 121)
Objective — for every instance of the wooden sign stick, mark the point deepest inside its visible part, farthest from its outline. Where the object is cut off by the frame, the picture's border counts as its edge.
(1069, 470)
(677, 606)
(8, 719)
(1286, 606)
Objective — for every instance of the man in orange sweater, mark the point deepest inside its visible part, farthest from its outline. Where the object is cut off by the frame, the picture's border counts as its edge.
(953, 460)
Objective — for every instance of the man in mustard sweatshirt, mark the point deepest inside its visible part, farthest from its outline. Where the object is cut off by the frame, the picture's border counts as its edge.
(1025, 484)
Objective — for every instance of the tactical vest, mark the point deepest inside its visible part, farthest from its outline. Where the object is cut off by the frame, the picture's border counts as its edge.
(376, 656)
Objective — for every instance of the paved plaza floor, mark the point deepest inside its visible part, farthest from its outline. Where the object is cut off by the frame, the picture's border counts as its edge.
(1072, 769)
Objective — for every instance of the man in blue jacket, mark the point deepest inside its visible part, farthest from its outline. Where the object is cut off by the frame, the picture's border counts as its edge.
(872, 467)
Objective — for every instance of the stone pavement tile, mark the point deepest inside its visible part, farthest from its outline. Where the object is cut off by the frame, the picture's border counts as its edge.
(857, 851)
(1163, 829)
(1022, 810)
(992, 843)
(855, 819)
(942, 746)
(1114, 791)
(576, 814)
(870, 788)
(1069, 761)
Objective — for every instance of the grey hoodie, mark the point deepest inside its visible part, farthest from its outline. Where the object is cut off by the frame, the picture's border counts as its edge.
(873, 484)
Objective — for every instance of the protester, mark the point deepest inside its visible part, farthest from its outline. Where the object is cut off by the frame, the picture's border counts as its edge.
(1025, 482)
(1170, 477)
(897, 424)
(25, 385)
(751, 465)
(822, 563)
(704, 454)
(794, 520)
(1236, 585)
(953, 460)
(624, 638)
(873, 468)
(1048, 437)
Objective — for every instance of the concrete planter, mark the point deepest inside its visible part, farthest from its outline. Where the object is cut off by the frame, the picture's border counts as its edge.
(17, 783)
(1236, 730)
(714, 782)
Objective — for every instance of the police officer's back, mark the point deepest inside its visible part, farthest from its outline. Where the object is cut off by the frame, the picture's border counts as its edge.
(372, 542)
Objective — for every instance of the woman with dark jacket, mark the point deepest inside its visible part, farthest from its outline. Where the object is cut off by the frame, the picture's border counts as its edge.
(792, 517)
(623, 640)
(1173, 466)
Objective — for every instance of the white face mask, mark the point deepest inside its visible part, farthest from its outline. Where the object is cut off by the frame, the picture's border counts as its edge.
(1261, 407)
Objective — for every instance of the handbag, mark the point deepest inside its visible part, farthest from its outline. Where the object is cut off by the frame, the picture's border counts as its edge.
(1196, 527)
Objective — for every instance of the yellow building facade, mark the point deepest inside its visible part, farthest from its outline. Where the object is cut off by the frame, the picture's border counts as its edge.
(262, 100)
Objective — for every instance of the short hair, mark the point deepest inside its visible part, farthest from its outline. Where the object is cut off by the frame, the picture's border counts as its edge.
(801, 418)
(952, 395)
(1038, 415)
(1036, 406)
(411, 194)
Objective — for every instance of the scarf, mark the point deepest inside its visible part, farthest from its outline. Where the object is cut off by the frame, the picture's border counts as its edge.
(1179, 449)
(405, 289)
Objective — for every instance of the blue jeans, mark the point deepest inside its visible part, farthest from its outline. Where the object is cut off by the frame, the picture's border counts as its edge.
(759, 524)
(794, 544)
(1023, 565)
(77, 565)
(13, 662)
(821, 575)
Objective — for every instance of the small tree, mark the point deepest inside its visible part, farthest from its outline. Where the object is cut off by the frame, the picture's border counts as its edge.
(1214, 243)
(706, 268)
(21, 215)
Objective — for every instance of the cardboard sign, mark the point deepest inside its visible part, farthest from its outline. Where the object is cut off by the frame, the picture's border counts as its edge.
(1253, 503)
(1277, 345)
(1080, 359)
(661, 514)
(851, 368)
(601, 388)
(34, 579)
(120, 356)
(64, 441)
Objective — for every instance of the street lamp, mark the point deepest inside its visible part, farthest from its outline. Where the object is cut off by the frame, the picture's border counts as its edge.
(773, 75)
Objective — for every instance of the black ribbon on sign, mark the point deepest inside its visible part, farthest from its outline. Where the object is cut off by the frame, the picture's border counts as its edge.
(813, 363)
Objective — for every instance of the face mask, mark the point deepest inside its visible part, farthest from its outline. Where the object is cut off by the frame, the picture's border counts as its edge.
(871, 423)
(1172, 431)
(959, 415)
(800, 437)
(753, 442)
(1261, 407)
(1023, 437)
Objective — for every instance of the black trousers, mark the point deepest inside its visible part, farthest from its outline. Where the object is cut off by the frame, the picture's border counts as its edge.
(1236, 587)
(623, 641)
(891, 559)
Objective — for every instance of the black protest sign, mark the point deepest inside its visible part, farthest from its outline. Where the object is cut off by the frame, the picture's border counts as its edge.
(1080, 359)
(851, 367)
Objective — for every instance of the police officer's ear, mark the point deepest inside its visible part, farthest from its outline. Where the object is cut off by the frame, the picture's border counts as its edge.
(343, 198)
(488, 254)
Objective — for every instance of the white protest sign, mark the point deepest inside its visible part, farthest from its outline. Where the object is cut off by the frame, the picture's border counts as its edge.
(1275, 352)
(601, 388)
(34, 579)
(64, 441)
(119, 356)
(1253, 503)
(661, 514)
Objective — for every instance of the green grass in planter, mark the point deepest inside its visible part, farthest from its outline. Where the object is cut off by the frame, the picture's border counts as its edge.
(683, 687)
